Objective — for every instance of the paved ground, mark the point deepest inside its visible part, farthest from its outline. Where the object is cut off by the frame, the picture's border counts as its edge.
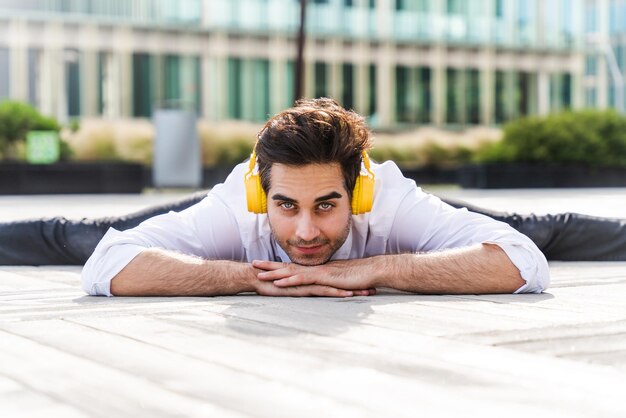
(562, 353)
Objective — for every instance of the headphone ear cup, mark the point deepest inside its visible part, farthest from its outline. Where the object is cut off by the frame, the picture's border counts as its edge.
(356, 196)
(363, 195)
(255, 196)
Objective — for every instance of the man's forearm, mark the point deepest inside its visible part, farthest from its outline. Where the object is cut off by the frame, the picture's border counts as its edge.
(156, 272)
(479, 269)
(473, 270)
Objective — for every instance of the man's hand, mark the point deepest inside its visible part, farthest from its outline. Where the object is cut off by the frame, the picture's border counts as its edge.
(345, 277)
(479, 269)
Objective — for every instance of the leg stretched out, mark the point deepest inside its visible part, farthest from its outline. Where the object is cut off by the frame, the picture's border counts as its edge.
(61, 241)
(566, 236)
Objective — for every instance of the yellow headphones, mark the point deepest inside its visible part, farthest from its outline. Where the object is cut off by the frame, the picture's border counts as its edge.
(362, 195)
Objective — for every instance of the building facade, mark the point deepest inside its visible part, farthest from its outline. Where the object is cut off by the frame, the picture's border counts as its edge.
(439, 62)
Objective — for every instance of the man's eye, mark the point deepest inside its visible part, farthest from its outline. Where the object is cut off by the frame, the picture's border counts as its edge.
(287, 205)
(326, 206)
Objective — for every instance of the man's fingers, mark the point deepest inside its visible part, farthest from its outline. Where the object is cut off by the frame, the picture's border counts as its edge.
(275, 274)
(268, 289)
(317, 290)
(312, 290)
(268, 265)
(296, 280)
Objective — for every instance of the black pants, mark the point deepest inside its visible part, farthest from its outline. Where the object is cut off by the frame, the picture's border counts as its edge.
(55, 241)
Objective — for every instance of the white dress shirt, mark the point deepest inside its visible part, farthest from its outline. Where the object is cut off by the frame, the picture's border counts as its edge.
(403, 219)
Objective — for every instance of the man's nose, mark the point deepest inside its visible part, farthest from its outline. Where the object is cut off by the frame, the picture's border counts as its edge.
(307, 230)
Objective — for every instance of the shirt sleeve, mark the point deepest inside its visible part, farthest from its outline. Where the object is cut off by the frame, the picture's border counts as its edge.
(424, 223)
(207, 229)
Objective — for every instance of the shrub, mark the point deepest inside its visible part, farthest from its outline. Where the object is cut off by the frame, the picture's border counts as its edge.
(435, 155)
(400, 154)
(226, 143)
(589, 137)
(429, 154)
(93, 141)
(16, 120)
(111, 140)
(233, 151)
(133, 140)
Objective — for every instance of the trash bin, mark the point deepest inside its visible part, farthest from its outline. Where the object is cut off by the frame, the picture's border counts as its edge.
(177, 160)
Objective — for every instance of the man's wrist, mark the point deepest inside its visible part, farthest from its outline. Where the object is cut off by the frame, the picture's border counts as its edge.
(387, 269)
(250, 280)
(380, 270)
(237, 277)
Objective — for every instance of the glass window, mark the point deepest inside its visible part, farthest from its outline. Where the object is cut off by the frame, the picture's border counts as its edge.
(567, 23)
(5, 72)
(611, 94)
(234, 88)
(102, 76)
(566, 90)
(321, 88)
(591, 22)
(454, 7)
(453, 114)
(613, 16)
(524, 94)
(472, 96)
(508, 96)
(72, 80)
(142, 85)
(424, 108)
(590, 97)
(171, 73)
(290, 80)
(500, 8)
(197, 86)
(261, 91)
(560, 91)
(33, 77)
(500, 97)
(404, 111)
(347, 86)
(412, 5)
(372, 90)
(523, 12)
(526, 22)
(406, 4)
(591, 65)
(619, 56)
(413, 95)
(189, 83)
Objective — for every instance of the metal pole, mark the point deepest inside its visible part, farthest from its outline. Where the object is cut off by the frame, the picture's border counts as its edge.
(299, 67)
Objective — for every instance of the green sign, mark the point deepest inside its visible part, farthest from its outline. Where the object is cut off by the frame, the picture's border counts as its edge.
(42, 147)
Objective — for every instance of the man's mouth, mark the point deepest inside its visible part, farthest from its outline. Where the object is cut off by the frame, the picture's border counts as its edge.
(312, 249)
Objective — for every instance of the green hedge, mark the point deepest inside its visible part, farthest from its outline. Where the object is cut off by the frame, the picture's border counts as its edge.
(588, 137)
(16, 120)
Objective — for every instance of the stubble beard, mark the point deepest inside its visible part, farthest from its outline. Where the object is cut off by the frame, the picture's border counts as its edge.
(313, 259)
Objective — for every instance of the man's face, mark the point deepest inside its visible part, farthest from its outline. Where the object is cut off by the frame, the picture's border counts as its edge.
(309, 211)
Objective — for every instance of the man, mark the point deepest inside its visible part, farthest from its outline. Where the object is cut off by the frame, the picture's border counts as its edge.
(309, 215)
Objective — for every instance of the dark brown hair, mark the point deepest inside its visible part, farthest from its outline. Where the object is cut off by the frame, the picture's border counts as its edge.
(314, 131)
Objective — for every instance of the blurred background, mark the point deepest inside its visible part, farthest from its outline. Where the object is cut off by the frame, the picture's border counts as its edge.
(443, 83)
